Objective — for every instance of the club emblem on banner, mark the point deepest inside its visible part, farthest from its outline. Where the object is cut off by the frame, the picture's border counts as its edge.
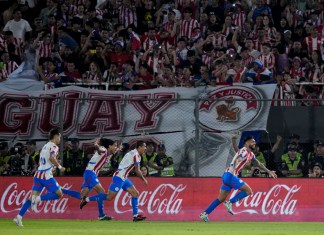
(230, 108)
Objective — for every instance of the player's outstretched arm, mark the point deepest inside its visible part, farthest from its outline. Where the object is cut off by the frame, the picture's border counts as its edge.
(263, 167)
(139, 173)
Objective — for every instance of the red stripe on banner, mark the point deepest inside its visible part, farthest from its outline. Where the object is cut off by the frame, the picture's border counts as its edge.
(177, 199)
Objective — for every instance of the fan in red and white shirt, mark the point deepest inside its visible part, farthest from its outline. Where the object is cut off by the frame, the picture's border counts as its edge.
(316, 67)
(8, 65)
(93, 74)
(10, 39)
(239, 68)
(238, 16)
(260, 39)
(185, 79)
(187, 25)
(127, 14)
(314, 42)
(154, 58)
(267, 57)
(44, 47)
(150, 39)
(287, 87)
(228, 26)
(296, 70)
(49, 76)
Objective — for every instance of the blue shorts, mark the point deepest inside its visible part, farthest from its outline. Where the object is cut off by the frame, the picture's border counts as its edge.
(118, 183)
(51, 185)
(90, 179)
(231, 181)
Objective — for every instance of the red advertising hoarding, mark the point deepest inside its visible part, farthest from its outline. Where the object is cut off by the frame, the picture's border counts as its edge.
(178, 199)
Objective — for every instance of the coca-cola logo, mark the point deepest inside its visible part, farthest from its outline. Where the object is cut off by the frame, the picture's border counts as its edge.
(12, 200)
(164, 199)
(278, 200)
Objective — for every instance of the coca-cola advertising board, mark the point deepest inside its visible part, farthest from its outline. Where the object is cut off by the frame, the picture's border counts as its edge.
(178, 199)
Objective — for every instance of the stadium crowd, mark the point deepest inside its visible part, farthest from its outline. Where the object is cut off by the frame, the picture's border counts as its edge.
(143, 44)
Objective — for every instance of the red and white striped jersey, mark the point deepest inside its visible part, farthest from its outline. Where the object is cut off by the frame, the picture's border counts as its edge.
(268, 60)
(91, 76)
(244, 156)
(220, 41)
(44, 170)
(18, 42)
(207, 60)
(147, 42)
(44, 50)
(10, 66)
(258, 45)
(248, 60)
(297, 73)
(127, 164)
(98, 160)
(186, 27)
(127, 16)
(154, 62)
(238, 19)
(313, 43)
(239, 75)
(288, 96)
(269, 34)
(315, 73)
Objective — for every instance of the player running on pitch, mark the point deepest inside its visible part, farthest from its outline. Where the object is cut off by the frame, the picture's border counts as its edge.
(120, 181)
(104, 150)
(230, 179)
(44, 176)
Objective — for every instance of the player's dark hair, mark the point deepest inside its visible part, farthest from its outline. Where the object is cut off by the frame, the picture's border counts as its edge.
(250, 137)
(140, 143)
(53, 133)
(106, 142)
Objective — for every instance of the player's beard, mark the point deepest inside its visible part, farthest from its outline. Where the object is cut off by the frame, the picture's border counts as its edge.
(252, 146)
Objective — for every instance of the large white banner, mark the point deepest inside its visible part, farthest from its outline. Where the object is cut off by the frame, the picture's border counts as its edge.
(163, 115)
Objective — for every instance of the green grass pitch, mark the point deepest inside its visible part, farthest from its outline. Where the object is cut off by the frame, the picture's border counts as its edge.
(92, 227)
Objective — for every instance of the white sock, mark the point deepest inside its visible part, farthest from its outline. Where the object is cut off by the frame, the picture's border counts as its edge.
(87, 199)
(19, 216)
(37, 199)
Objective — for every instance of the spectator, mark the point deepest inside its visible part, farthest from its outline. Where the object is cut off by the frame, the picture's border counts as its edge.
(20, 162)
(70, 73)
(149, 159)
(319, 158)
(18, 26)
(118, 156)
(33, 154)
(164, 162)
(47, 73)
(261, 9)
(64, 39)
(75, 159)
(93, 74)
(204, 78)
(129, 76)
(4, 159)
(316, 171)
(144, 76)
(51, 8)
(8, 65)
(188, 23)
(292, 163)
(144, 171)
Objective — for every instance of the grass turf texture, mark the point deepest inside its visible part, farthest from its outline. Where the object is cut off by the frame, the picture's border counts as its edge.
(79, 227)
